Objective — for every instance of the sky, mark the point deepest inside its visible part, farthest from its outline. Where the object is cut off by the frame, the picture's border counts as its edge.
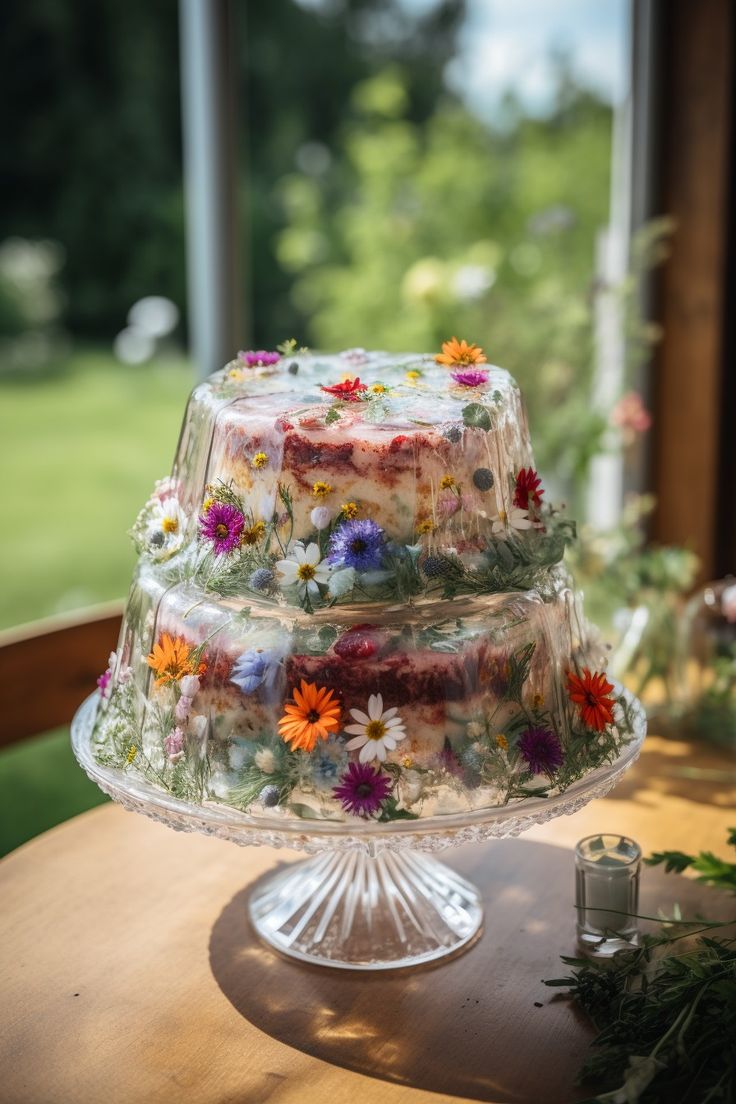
(506, 43)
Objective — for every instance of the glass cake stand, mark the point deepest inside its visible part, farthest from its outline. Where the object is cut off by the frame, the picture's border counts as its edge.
(371, 896)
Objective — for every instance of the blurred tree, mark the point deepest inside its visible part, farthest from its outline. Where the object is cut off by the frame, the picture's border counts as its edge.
(91, 149)
(426, 229)
(91, 155)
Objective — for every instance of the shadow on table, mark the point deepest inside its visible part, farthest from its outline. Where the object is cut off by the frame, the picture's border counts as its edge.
(469, 1027)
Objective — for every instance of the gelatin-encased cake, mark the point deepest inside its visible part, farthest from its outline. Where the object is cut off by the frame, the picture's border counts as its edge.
(350, 600)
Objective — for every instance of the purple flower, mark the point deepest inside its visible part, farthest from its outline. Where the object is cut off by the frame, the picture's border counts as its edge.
(471, 377)
(541, 750)
(362, 789)
(174, 745)
(256, 668)
(103, 683)
(259, 358)
(222, 524)
(357, 544)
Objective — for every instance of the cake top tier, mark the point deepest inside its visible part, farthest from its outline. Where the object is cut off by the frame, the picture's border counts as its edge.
(311, 479)
(365, 389)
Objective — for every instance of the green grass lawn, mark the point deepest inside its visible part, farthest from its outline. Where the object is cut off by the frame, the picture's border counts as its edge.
(80, 451)
(41, 785)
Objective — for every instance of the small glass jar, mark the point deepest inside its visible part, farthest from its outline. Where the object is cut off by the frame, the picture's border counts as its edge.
(607, 893)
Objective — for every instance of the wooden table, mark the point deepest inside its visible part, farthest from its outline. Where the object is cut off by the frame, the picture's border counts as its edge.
(130, 973)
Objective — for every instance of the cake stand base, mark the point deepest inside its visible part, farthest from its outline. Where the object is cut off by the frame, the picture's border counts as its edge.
(357, 912)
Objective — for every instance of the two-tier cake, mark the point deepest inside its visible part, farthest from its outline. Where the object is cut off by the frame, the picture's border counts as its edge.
(350, 600)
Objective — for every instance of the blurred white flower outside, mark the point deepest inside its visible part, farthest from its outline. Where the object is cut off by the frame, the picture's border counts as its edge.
(149, 320)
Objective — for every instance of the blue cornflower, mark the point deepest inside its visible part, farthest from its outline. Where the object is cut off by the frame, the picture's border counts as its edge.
(359, 544)
(261, 579)
(325, 770)
(254, 668)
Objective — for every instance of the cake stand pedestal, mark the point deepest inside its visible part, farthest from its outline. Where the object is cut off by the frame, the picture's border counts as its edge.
(370, 897)
(348, 909)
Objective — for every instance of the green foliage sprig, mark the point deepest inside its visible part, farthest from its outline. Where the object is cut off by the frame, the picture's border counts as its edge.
(711, 870)
(666, 1021)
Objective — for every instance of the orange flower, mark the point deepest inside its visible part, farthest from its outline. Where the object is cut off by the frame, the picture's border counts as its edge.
(591, 692)
(456, 352)
(171, 659)
(312, 716)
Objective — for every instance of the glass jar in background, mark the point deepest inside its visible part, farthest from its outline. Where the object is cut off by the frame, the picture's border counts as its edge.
(710, 662)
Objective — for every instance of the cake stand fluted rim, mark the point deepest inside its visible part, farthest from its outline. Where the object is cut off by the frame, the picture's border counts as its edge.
(433, 833)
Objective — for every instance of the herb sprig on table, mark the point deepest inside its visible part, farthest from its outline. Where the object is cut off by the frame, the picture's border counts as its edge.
(666, 1017)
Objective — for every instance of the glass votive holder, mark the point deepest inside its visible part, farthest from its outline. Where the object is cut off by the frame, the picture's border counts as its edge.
(607, 893)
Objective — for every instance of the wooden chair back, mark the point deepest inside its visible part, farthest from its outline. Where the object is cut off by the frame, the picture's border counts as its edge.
(48, 667)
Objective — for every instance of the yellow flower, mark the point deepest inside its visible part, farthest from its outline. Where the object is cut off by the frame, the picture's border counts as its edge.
(132, 752)
(425, 526)
(446, 482)
(349, 510)
(254, 534)
(320, 489)
(259, 460)
(379, 389)
(407, 762)
(209, 501)
(455, 353)
(538, 701)
(502, 742)
(235, 374)
(413, 375)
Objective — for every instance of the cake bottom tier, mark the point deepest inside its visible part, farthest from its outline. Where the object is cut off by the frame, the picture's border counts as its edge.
(375, 713)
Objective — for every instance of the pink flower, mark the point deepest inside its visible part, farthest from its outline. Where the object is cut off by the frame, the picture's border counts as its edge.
(448, 503)
(174, 745)
(630, 414)
(470, 377)
(103, 683)
(223, 525)
(355, 356)
(183, 709)
(259, 358)
(189, 685)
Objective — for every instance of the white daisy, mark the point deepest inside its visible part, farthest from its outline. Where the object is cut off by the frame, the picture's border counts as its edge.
(376, 732)
(304, 568)
(167, 525)
(515, 518)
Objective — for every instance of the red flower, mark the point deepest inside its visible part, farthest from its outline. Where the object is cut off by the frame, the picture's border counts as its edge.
(528, 489)
(349, 389)
(591, 692)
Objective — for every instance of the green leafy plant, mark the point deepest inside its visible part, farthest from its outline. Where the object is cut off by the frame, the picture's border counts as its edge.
(711, 870)
(666, 1019)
